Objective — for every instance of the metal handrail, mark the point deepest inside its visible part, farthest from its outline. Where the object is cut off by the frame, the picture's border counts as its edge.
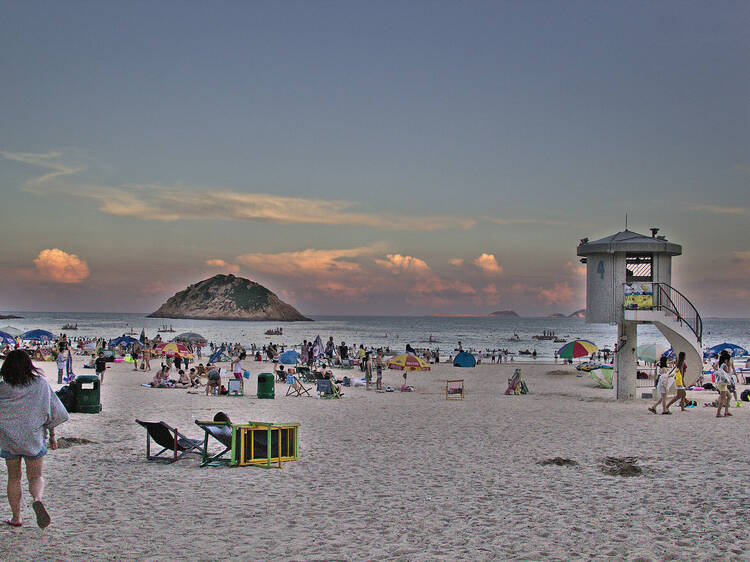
(670, 299)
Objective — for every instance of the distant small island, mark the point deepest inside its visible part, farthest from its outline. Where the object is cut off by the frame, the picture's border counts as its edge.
(9, 316)
(504, 314)
(557, 315)
(226, 297)
(578, 314)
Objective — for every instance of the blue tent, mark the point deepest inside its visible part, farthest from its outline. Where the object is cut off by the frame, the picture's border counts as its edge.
(733, 349)
(127, 340)
(7, 338)
(38, 335)
(289, 357)
(464, 359)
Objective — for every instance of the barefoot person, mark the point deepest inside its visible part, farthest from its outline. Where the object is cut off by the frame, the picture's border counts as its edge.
(29, 411)
(722, 376)
(679, 376)
(662, 387)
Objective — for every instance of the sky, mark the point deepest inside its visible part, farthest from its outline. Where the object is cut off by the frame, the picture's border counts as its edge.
(371, 158)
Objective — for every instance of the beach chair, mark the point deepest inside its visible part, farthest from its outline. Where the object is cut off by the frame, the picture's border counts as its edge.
(169, 439)
(221, 432)
(295, 387)
(326, 389)
(235, 387)
(454, 389)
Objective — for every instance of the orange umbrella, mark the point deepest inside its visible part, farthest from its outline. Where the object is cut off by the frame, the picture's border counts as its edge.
(173, 349)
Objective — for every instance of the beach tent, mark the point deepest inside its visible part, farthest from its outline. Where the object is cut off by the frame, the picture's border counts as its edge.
(15, 332)
(289, 357)
(464, 359)
(733, 349)
(7, 338)
(38, 335)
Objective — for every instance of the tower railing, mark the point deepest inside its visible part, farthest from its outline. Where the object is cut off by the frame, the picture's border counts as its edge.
(666, 297)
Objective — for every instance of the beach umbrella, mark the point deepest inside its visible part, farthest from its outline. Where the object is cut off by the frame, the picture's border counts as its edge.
(125, 340)
(173, 349)
(733, 349)
(38, 335)
(408, 362)
(651, 352)
(289, 357)
(190, 337)
(577, 348)
(7, 338)
(15, 332)
(142, 337)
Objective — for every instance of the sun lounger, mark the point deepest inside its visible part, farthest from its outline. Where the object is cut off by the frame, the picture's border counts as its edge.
(170, 439)
(295, 387)
(454, 389)
(326, 389)
(221, 432)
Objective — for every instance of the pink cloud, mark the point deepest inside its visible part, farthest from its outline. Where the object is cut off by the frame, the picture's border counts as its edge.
(456, 262)
(60, 267)
(576, 269)
(561, 293)
(396, 263)
(307, 262)
(488, 264)
(224, 266)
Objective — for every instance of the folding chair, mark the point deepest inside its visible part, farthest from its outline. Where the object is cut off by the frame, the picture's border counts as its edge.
(221, 432)
(170, 439)
(295, 387)
(235, 387)
(326, 389)
(454, 389)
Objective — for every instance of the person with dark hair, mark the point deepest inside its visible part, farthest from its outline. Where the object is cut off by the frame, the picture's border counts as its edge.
(722, 376)
(222, 417)
(29, 411)
(662, 387)
(679, 381)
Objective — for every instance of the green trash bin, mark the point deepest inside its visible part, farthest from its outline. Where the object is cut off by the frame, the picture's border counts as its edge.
(266, 385)
(86, 395)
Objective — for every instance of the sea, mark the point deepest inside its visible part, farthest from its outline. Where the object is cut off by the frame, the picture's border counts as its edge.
(475, 333)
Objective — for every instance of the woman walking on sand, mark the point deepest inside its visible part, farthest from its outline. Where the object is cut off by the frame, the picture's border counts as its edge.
(29, 411)
(722, 377)
(679, 381)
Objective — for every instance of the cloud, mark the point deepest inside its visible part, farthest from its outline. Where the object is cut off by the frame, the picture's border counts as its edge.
(561, 293)
(396, 263)
(456, 262)
(718, 210)
(309, 262)
(576, 269)
(60, 267)
(488, 264)
(519, 220)
(49, 160)
(224, 266)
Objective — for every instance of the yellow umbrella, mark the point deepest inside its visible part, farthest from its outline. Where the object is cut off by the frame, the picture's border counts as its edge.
(408, 362)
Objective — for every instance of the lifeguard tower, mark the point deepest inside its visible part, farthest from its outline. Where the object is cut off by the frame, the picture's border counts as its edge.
(629, 282)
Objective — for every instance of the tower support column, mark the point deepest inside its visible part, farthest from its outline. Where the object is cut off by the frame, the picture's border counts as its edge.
(625, 360)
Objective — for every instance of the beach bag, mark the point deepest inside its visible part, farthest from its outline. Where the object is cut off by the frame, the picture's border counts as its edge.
(745, 396)
(66, 396)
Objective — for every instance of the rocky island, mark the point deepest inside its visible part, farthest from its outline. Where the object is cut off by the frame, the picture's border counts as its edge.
(504, 314)
(227, 297)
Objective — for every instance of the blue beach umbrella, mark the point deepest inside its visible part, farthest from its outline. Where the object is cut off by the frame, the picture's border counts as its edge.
(289, 357)
(127, 340)
(38, 335)
(7, 338)
(733, 349)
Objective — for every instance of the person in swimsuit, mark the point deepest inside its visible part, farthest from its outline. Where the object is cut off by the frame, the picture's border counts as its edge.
(679, 380)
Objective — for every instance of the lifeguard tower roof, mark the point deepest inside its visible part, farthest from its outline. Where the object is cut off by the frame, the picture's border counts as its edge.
(628, 241)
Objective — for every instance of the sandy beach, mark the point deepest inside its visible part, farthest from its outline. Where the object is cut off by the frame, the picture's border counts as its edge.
(405, 476)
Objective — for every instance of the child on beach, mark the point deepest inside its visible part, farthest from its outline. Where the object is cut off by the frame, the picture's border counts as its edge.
(662, 387)
(722, 376)
(60, 366)
(100, 365)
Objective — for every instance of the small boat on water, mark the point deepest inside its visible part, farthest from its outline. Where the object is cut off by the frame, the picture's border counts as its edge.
(70, 326)
(274, 332)
(163, 328)
(546, 335)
